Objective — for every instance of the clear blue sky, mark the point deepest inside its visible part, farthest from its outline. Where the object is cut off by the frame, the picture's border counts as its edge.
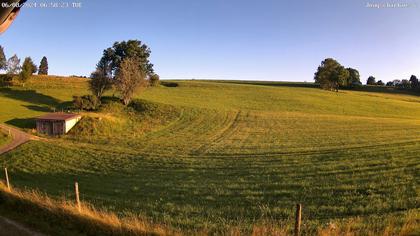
(226, 39)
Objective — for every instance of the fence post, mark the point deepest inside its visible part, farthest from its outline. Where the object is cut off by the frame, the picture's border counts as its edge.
(7, 178)
(76, 189)
(298, 219)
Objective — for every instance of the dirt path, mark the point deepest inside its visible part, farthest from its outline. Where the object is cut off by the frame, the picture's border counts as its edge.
(18, 138)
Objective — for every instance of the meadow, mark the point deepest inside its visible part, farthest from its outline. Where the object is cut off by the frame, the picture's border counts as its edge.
(215, 155)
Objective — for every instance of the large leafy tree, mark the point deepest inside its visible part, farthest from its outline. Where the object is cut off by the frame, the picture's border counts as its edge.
(3, 60)
(354, 77)
(371, 80)
(112, 57)
(43, 66)
(129, 78)
(331, 75)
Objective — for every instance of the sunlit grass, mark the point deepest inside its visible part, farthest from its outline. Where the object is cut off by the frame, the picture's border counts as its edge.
(220, 155)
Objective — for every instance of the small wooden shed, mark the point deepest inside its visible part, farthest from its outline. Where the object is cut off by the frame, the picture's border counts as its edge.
(56, 123)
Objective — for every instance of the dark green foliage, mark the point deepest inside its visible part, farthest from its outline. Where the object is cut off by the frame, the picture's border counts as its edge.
(43, 66)
(389, 83)
(6, 80)
(154, 80)
(3, 61)
(113, 56)
(380, 83)
(371, 81)
(99, 82)
(414, 82)
(331, 75)
(405, 84)
(86, 102)
(28, 69)
(353, 79)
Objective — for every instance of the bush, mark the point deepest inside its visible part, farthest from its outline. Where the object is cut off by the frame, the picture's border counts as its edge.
(154, 80)
(6, 80)
(86, 102)
(143, 106)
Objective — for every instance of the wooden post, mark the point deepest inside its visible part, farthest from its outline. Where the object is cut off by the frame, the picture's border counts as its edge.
(7, 178)
(298, 219)
(76, 189)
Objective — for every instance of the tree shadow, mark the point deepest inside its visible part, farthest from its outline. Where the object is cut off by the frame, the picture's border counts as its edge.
(25, 123)
(169, 84)
(38, 108)
(384, 89)
(30, 96)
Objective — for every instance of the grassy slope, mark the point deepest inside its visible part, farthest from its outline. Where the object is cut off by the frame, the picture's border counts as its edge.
(4, 138)
(230, 153)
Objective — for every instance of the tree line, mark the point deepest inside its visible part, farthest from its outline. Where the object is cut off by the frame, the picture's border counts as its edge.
(13, 67)
(331, 75)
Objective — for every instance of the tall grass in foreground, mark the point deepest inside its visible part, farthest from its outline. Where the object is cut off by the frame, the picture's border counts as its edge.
(62, 217)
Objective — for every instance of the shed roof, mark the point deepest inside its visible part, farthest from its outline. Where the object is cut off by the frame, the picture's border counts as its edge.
(59, 116)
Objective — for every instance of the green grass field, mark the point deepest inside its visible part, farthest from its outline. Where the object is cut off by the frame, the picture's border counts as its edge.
(218, 154)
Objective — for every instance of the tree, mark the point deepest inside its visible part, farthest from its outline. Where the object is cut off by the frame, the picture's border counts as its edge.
(354, 77)
(389, 83)
(43, 66)
(13, 65)
(330, 74)
(86, 102)
(396, 82)
(129, 77)
(380, 83)
(154, 80)
(371, 80)
(405, 84)
(30, 64)
(120, 51)
(99, 82)
(3, 61)
(27, 70)
(414, 82)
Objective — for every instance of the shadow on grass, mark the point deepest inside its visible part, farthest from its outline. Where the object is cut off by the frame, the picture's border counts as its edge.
(30, 96)
(38, 108)
(384, 89)
(169, 84)
(25, 123)
(109, 99)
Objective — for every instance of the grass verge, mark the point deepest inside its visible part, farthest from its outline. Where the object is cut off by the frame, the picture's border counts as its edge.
(62, 217)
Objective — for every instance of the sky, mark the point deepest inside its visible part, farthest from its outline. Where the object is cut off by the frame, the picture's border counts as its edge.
(225, 39)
